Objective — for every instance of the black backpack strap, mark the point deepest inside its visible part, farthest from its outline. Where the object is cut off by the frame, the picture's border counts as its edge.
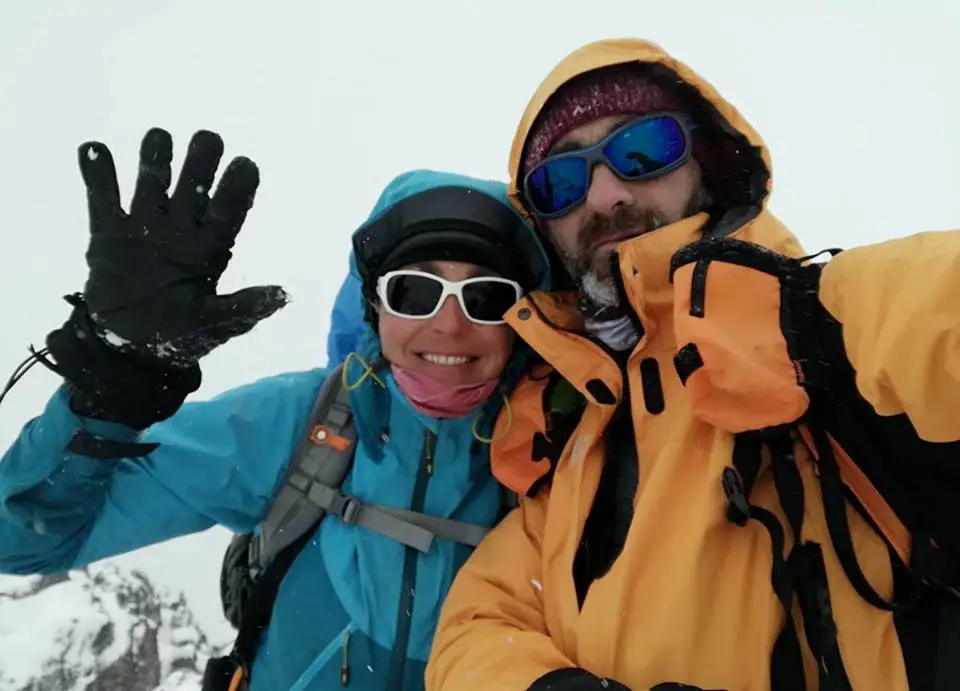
(802, 574)
(259, 609)
(786, 662)
(947, 660)
(232, 672)
(835, 512)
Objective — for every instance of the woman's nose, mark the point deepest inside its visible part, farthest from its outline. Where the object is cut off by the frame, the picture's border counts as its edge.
(450, 319)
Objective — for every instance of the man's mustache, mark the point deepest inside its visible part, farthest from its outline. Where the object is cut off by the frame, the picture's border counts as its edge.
(600, 228)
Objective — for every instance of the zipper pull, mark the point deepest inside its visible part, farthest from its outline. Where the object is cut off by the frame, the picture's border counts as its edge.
(344, 659)
(428, 444)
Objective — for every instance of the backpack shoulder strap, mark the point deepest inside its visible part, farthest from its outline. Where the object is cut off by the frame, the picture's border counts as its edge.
(323, 457)
(258, 610)
(312, 489)
(325, 451)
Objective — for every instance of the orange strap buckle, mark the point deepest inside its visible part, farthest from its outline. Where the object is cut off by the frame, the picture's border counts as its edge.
(322, 435)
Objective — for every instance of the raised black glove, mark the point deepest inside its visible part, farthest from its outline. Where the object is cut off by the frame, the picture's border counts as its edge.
(154, 271)
(150, 310)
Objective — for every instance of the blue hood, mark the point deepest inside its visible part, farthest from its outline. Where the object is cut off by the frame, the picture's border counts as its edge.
(349, 331)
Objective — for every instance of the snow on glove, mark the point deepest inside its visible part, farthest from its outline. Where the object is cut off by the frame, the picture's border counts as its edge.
(152, 286)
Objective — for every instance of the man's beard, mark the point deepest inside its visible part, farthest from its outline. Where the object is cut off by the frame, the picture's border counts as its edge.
(596, 282)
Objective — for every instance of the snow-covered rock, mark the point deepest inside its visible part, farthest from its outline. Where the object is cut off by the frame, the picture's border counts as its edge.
(101, 628)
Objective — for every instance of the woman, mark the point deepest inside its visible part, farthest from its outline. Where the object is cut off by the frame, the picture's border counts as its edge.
(439, 261)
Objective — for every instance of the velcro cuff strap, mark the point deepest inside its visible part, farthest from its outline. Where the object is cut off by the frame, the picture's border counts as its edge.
(85, 444)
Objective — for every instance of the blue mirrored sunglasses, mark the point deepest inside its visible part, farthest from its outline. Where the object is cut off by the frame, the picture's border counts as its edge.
(641, 149)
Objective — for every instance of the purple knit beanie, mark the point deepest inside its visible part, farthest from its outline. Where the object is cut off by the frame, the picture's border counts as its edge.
(618, 89)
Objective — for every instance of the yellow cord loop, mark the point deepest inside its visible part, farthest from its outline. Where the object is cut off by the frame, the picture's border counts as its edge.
(489, 440)
(368, 371)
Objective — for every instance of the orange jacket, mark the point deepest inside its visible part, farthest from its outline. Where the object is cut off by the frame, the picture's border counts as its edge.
(689, 599)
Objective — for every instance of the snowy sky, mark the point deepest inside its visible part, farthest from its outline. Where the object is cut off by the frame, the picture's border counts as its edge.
(858, 102)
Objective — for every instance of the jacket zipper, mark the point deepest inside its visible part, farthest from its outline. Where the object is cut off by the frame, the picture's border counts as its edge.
(410, 561)
(344, 659)
(311, 672)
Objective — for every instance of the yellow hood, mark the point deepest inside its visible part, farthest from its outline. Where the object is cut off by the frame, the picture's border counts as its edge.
(618, 51)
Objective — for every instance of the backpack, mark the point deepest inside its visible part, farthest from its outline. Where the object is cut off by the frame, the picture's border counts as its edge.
(255, 564)
(761, 357)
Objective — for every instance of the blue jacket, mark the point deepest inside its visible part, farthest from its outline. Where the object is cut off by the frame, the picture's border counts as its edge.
(353, 599)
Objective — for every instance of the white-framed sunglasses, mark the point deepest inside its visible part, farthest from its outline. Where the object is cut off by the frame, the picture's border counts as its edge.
(414, 294)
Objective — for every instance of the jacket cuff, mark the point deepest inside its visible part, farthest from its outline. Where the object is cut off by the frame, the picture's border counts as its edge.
(107, 385)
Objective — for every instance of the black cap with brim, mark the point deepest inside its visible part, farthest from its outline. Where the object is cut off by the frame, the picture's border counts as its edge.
(456, 245)
(453, 224)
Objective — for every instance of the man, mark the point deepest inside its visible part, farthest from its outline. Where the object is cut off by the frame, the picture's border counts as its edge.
(733, 396)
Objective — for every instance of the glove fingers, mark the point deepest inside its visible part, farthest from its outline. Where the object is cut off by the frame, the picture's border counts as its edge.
(222, 318)
(153, 178)
(227, 316)
(179, 340)
(100, 177)
(233, 198)
(191, 195)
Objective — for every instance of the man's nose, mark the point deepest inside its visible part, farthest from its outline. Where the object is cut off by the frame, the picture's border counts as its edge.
(606, 191)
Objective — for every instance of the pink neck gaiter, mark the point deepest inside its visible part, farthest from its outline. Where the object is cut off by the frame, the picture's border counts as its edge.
(439, 399)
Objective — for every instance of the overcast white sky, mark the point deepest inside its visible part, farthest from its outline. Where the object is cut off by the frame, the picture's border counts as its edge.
(858, 102)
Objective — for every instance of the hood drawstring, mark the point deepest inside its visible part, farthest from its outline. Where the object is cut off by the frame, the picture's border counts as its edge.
(508, 410)
(369, 371)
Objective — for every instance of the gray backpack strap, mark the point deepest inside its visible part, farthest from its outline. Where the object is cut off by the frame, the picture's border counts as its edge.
(311, 489)
(410, 528)
(379, 519)
(324, 455)
(443, 528)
